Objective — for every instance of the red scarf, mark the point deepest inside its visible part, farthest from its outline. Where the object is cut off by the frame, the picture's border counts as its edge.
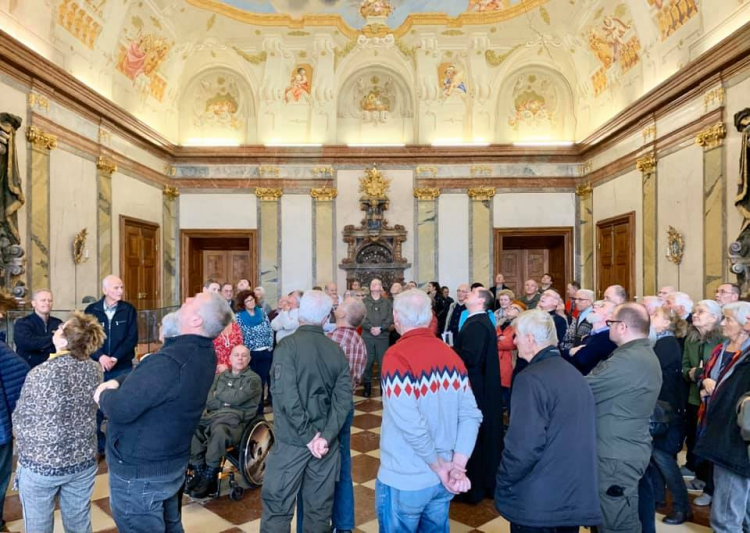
(712, 362)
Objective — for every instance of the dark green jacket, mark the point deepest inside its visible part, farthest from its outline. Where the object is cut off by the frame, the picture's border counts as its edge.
(237, 395)
(379, 314)
(626, 387)
(312, 390)
(695, 351)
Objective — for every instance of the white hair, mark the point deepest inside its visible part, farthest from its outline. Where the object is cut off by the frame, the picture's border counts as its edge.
(683, 300)
(589, 294)
(216, 315)
(107, 280)
(539, 325)
(414, 309)
(712, 307)
(314, 307)
(741, 311)
(652, 303)
(38, 292)
(170, 326)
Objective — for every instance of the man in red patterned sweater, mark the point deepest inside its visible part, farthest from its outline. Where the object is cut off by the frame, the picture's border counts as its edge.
(430, 424)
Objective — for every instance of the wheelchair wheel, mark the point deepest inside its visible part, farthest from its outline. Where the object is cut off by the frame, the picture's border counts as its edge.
(255, 444)
(237, 493)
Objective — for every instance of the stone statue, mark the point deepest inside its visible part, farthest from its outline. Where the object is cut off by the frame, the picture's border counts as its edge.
(11, 200)
(739, 250)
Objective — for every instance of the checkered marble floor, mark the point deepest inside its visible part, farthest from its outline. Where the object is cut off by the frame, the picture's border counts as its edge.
(226, 516)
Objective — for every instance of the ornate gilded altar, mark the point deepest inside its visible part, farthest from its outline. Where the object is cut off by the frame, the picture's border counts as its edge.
(374, 247)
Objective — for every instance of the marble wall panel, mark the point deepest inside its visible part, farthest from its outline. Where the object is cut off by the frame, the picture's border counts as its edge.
(104, 223)
(649, 231)
(481, 247)
(587, 234)
(534, 209)
(39, 257)
(426, 242)
(170, 232)
(324, 256)
(269, 217)
(714, 234)
(296, 241)
(453, 240)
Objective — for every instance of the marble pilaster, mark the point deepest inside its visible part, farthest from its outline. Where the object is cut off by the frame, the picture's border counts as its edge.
(647, 167)
(426, 237)
(105, 169)
(480, 234)
(171, 225)
(714, 229)
(269, 226)
(324, 271)
(39, 212)
(585, 198)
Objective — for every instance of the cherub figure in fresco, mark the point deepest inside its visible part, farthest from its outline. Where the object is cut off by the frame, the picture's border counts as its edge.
(375, 8)
(614, 31)
(298, 86)
(481, 6)
(453, 81)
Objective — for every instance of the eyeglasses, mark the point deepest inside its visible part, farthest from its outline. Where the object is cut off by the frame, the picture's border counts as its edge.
(610, 322)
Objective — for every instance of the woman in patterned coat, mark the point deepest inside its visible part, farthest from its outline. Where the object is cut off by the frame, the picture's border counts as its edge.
(55, 427)
(257, 335)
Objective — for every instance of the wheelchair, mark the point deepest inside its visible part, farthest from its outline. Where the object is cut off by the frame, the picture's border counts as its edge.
(248, 458)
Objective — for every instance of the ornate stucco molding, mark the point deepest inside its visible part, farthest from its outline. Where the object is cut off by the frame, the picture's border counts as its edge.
(268, 194)
(171, 192)
(325, 171)
(646, 164)
(712, 136)
(426, 193)
(426, 171)
(481, 194)
(106, 165)
(324, 194)
(268, 171)
(40, 138)
(480, 170)
(584, 190)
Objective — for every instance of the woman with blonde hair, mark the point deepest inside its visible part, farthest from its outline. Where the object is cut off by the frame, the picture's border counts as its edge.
(55, 427)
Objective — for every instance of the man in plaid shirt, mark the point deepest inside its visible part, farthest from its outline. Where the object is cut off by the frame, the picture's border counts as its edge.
(349, 315)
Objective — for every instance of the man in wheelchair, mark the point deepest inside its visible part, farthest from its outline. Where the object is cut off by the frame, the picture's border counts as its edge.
(232, 404)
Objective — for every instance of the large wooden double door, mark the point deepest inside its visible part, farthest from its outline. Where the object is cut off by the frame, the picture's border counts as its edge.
(140, 266)
(615, 254)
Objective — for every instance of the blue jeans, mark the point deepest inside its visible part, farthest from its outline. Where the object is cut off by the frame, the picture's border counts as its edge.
(665, 470)
(343, 496)
(38, 494)
(422, 511)
(147, 505)
(730, 507)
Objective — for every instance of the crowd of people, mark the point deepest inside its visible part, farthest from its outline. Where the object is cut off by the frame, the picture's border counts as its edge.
(567, 410)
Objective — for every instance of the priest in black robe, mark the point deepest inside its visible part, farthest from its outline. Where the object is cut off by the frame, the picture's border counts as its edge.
(477, 346)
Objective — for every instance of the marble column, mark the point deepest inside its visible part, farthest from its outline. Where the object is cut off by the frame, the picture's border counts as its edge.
(39, 212)
(105, 168)
(714, 208)
(171, 227)
(269, 225)
(427, 235)
(647, 166)
(324, 270)
(585, 198)
(480, 234)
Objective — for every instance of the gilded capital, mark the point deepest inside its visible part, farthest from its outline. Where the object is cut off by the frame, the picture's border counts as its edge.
(40, 139)
(324, 194)
(481, 194)
(106, 165)
(646, 165)
(171, 192)
(427, 193)
(712, 136)
(268, 194)
(584, 190)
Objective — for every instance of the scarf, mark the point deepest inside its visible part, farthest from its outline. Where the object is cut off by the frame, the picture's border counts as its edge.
(716, 356)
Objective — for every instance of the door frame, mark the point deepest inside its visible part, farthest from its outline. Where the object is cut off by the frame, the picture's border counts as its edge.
(124, 219)
(566, 232)
(628, 217)
(187, 234)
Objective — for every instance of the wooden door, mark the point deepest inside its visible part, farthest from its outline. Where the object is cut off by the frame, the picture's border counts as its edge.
(512, 267)
(140, 263)
(537, 264)
(615, 257)
(215, 265)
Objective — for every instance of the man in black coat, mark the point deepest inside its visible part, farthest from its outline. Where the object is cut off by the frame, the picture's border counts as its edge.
(477, 346)
(32, 334)
(547, 479)
(120, 322)
(597, 346)
(499, 286)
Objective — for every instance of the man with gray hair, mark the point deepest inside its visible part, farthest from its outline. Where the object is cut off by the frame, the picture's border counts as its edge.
(551, 439)
(33, 333)
(376, 330)
(312, 393)
(430, 424)
(616, 294)
(652, 303)
(681, 304)
(286, 321)
(153, 413)
(597, 346)
(579, 327)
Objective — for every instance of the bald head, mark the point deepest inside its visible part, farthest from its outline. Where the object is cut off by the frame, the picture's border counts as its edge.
(630, 321)
(113, 289)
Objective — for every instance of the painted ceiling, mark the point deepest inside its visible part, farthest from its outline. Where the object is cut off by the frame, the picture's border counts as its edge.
(355, 71)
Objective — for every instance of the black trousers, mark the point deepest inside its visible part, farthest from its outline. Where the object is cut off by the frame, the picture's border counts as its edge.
(515, 528)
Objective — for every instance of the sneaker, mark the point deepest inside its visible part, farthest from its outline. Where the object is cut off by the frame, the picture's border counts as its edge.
(695, 486)
(704, 500)
(687, 474)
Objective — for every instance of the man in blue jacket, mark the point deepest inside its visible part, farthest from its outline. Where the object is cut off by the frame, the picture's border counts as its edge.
(153, 413)
(32, 334)
(120, 322)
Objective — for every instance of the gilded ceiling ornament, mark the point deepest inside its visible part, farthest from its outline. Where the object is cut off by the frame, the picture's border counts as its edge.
(712, 136)
(481, 194)
(423, 171)
(255, 59)
(106, 165)
(496, 59)
(171, 192)
(324, 194)
(169, 170)
(79, 247)
(714, 95)
(268, 194)
(646, 164)
(426, 193)
(675, 245)
(584, 190)
(40, 101)
(323, 172)
(373, 184)
(40, 139)
(267, 171)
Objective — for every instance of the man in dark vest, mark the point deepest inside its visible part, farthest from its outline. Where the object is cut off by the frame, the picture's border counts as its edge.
(33, 333)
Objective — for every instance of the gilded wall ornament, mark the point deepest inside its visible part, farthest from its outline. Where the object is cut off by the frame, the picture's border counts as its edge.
(426, 193)
(712, 136)
(481, 194)
(646, 164)
(584, 190)
(324, 194)
(268, 171)
(480, 170)
(79, 247)
(429, 170)
(40, 139)
(373, 184)
(714, 95)
(675, 246)
(39, 101)
(323, 172)
(268, 194)
(170, 192)
(106, 165)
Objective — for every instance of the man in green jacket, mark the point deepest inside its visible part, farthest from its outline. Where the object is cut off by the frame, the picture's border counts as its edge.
(376, 330)
(625, 388)
(312, 396)
(232, 403)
